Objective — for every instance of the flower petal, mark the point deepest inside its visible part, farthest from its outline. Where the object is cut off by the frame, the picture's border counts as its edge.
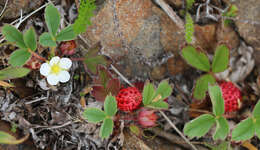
(64, 76)
(54, 60)
(65, 63)
(53, 79)
(45, 69)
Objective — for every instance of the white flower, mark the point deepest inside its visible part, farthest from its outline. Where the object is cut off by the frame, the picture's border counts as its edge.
(56, 70)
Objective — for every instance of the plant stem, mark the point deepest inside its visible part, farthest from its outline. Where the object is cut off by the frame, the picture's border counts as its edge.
(53, 51)
(36, 55)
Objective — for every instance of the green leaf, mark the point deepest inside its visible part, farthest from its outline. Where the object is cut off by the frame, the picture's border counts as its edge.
(220, 59)
(93, 58)
(159, 105)
(189, 28)
(217, 100)
(19, 57)
(6, 138)
(110, 105)
(94, 115)
(256, 111)
(52, 19)
(106, 128)
(222, 146)
(13, 35)
(201, 86)
(199, 126)
(148, 94)
(134, 129)
(189, 3)
(47, 40)
(94, 61)
(30, 39)
(222, 129)
(85, 13)
(195, 58)
(164, 90)
(257, 126)
(244, 130)
(13, 72)
(66, 34)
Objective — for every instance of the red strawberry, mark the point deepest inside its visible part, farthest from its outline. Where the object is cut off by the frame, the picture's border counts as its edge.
(128, 99)
(147, 118)
(231, 95)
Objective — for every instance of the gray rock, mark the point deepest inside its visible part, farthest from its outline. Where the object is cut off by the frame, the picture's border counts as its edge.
(136, 34)
(248, 22)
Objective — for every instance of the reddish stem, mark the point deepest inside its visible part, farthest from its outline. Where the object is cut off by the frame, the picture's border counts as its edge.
(36, 55)
(78, 59)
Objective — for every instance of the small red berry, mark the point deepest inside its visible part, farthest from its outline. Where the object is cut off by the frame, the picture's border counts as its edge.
(128, 99)
(33, 63)
(147, 118)
(231, 95)
(68, 47)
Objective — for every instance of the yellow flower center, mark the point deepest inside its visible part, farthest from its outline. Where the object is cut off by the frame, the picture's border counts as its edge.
(55, 69)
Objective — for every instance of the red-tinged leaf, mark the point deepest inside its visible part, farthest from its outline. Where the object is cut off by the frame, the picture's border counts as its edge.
(113, 86)
(93, 59)
(103, 76)
(99, 93)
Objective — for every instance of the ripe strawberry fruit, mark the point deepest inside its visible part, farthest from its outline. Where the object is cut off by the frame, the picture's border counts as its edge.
(128, 99)
(231, 95)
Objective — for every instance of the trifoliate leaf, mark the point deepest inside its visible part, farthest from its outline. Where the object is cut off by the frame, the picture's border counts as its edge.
(222, 129)
(13, 72)
(256, 111)
(66, 34)
(52, 19)
(47, 40)
(148, 93)
(199, 126)
(110, 105)
(93, 58)
(164, 90)
(94, 115)
(220, 59)
(106, 128)
(195, 58)
(201, 86)
(244, 130)
(19, 57)
(13, 35)
(30, 39)
(158, 105)
(217, 100)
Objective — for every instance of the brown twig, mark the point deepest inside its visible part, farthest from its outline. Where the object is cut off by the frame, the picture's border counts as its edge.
(174, 138)
(174, 17)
